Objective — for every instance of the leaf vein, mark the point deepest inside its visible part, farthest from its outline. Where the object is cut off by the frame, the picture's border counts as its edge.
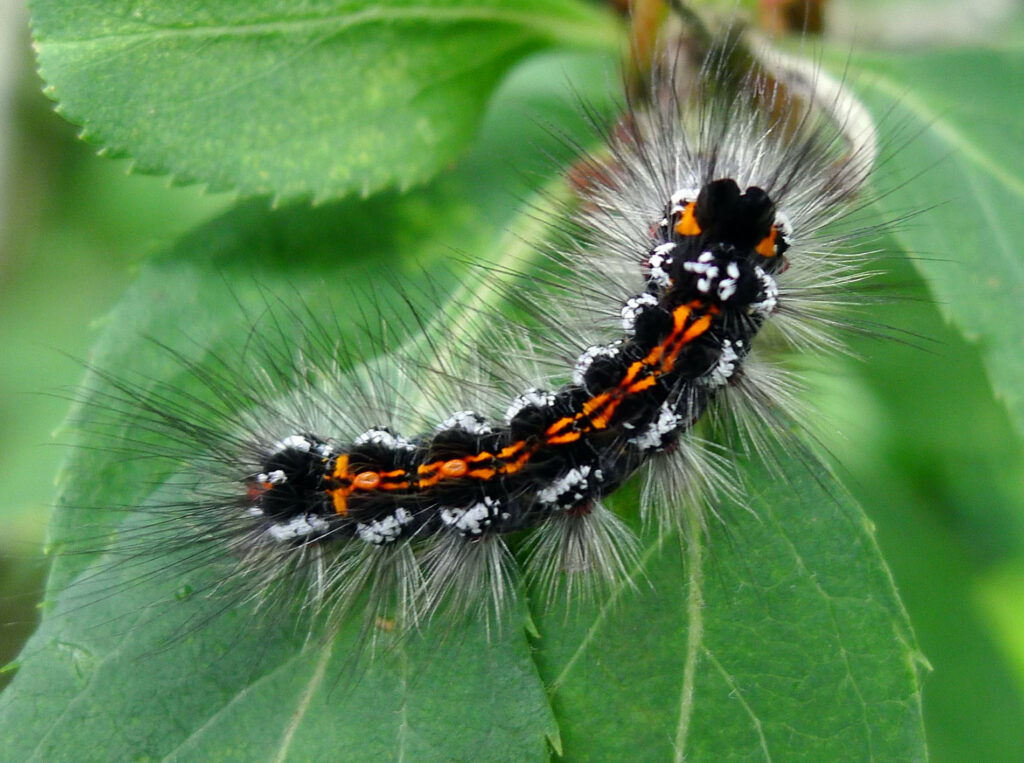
(694, 553)
(735, 692)
(314, 682)
(950, 135)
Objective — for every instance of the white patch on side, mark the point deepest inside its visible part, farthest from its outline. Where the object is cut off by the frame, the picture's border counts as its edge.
(385, 530)
(529, 398)
(666, 423)
(467, 421)
(659, 263)
(384, 438)
(276, 477)
(784, 225)
(771, 294)
(632, 309)
(586, 360)
(295, 441)
(472, 520)
(725, 367)
(572, 485)
(299, 527)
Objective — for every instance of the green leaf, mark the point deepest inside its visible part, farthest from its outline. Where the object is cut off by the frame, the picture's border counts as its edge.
(276, 98)
(958, 150)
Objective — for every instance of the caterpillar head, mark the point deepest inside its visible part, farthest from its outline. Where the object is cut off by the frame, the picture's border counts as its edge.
(718, 246)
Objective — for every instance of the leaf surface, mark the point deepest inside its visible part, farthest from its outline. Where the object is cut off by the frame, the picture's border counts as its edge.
(777, 635)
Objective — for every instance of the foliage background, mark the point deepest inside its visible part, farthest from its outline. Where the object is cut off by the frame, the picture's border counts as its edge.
(926, 446)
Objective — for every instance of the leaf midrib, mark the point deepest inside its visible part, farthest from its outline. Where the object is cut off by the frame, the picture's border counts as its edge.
(949, 134)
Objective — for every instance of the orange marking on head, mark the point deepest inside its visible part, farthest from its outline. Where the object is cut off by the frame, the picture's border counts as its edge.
(454, 468)
(254, 490)
(366, 480)
(767, 246)
(687, 225)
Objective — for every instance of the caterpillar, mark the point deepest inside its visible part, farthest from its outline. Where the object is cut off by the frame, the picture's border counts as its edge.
(312, 471)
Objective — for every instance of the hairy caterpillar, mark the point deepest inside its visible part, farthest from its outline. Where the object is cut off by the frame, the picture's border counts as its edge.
(307, 470)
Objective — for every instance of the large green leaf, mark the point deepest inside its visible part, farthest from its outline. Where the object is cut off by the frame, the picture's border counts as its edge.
(777, 635)
(942, 461)
(276, 98)
(117, 679)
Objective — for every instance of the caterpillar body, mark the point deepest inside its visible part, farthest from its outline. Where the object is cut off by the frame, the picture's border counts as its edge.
(709, 286)
(701, 226)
